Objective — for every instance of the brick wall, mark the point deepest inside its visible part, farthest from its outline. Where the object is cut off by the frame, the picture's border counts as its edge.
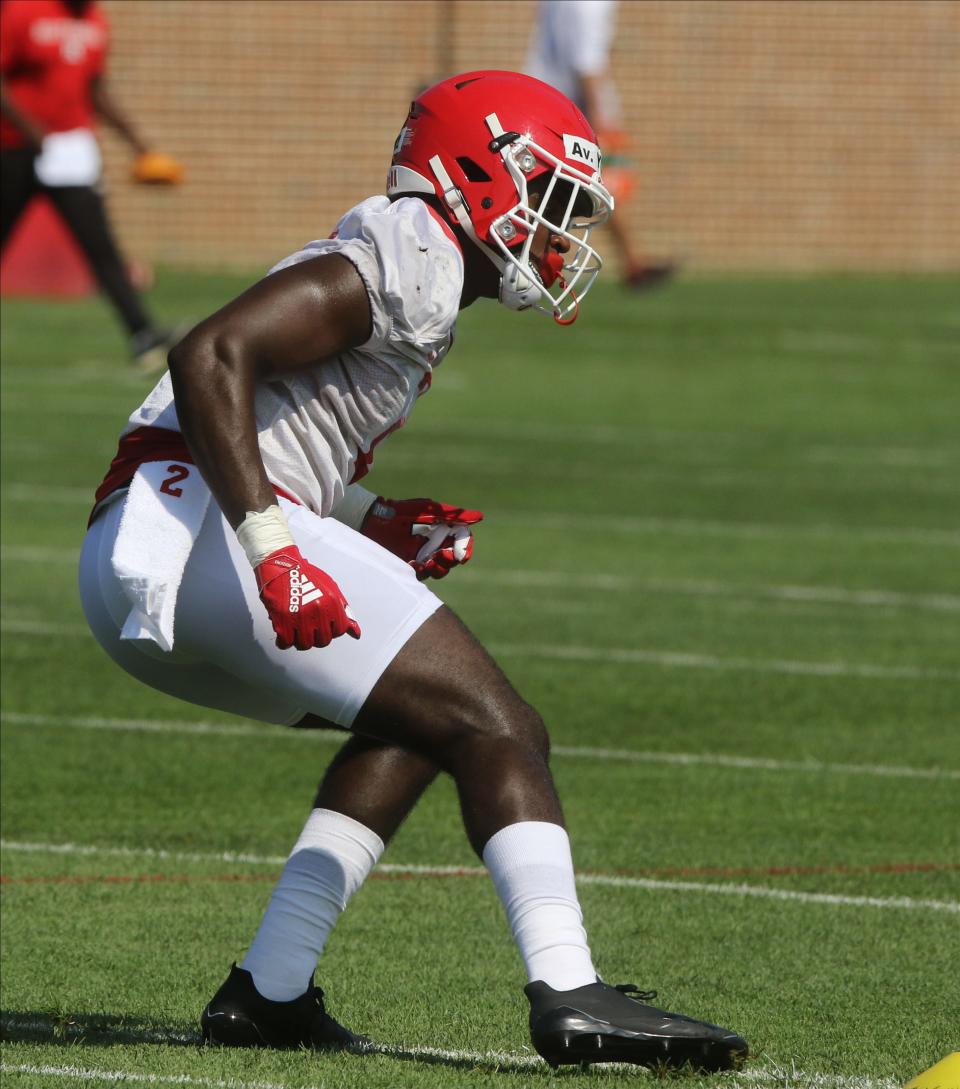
(768, 134)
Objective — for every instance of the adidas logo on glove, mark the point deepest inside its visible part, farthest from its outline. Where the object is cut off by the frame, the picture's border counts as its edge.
(302, 591)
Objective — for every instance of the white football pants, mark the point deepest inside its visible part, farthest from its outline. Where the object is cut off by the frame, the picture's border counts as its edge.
(224, 654)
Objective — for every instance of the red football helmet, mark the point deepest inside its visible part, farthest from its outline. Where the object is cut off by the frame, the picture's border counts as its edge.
(505, 154)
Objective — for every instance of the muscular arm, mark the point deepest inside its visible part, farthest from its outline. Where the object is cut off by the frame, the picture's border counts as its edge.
(106, 107)
(286, 322)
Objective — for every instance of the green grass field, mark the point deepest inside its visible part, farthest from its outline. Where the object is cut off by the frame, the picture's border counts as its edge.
(720, 555)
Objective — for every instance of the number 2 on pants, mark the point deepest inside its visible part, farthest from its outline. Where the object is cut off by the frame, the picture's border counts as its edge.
(177, 473)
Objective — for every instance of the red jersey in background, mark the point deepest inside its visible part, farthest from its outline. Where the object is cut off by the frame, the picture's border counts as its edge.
(48, 59)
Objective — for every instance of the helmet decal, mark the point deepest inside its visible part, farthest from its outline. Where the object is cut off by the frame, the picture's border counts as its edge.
(586, 151)
(404, 137)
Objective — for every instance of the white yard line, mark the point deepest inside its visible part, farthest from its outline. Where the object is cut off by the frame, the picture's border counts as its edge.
(905, 902)
(265, 732)
(887, 456)
(90, 850)
(49, 493)
(42, 627)
(683, 660)
(753, 763)
(688, 472)
(596, 523)
(688, 445)
(741, 890)
(685, 470)
(682, 442)
(696, 527)
(620, 655)
(28, 554)
(24, 403)
(618, 584)
(92, 1074)
(779, 1077)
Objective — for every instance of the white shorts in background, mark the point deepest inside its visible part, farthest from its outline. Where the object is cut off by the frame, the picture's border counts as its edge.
(225, 654)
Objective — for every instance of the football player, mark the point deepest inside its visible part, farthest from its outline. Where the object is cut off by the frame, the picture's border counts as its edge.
(233, 508)
(53, 88)
(570, 49)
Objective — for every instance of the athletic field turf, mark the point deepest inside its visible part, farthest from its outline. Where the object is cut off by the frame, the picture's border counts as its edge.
(721, 555)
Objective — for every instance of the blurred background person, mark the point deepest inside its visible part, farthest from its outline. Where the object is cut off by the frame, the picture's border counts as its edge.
(52, 87)
(570, 49)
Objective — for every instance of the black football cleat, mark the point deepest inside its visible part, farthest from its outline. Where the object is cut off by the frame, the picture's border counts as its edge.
(239, 1016)
(602, 1024)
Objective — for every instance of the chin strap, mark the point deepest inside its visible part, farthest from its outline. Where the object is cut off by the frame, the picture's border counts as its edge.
(573, 317)
(512, 294)
(551, 269)
(454, 200)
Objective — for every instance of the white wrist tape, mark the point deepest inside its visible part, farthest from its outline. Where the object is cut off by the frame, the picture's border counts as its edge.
(353, 507)
(263, 533)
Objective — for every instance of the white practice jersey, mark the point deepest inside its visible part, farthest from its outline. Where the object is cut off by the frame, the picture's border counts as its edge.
(317, 428)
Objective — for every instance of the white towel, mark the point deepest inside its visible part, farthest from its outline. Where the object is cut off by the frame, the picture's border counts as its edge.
(164, 511)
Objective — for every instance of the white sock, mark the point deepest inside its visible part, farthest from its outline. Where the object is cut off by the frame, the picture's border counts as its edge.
(328, 863)
(532, 869)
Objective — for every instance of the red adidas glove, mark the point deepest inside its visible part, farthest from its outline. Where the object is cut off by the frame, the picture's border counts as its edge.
(305, 605)
(432, 537)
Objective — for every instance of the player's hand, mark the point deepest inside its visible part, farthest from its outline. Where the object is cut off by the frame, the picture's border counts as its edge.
(432, 537)
(305, 605)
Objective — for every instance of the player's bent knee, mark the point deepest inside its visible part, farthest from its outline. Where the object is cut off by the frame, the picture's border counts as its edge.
(529, 729)
(491, 722)
(443, 693)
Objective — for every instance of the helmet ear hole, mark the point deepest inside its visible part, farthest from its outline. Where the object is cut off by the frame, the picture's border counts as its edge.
(472, 170)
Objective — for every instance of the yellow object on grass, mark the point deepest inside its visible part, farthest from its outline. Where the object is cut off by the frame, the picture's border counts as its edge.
(943, 1075)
